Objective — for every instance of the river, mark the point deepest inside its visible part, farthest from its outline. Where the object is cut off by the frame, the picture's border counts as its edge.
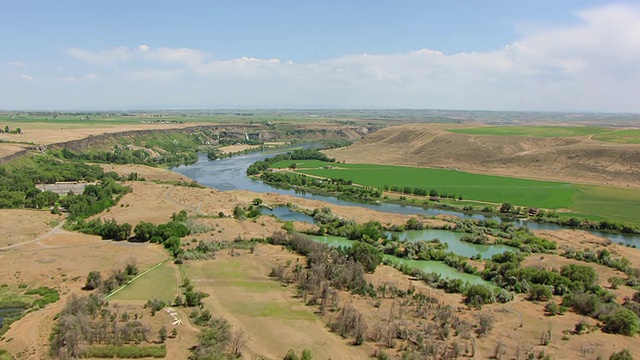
(230, 174)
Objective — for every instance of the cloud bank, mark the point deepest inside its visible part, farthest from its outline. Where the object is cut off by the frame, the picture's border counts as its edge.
(591, 66)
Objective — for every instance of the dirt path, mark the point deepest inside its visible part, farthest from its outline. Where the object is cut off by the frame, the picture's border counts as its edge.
(195, 209)
(54, 231)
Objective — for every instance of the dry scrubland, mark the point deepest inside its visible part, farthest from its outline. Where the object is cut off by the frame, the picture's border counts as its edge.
(272, 315)
(60, 260)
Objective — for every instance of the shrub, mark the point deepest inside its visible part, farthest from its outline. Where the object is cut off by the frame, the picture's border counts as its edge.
(621, 321)
(622, 355)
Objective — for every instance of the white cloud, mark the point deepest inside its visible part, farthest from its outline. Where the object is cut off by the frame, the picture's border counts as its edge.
(87, 77)
(17, 64)
(593, 65)
(27, 77)
(160, 75)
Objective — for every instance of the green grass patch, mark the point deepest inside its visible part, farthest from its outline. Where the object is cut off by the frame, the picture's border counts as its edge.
(620, 136)
(306, 164)
(534, 131)
(125, 352)
(270, 310)
(5, 355)
(48, 295)
(495, 189)
(255, 300)
(159, 283)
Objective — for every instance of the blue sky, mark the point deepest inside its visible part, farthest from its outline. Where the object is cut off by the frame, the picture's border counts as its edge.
(493, 55)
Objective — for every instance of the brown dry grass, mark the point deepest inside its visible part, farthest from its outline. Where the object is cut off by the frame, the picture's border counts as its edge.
(575, 159)
(42, 133)
(20, 225)
(237, 148)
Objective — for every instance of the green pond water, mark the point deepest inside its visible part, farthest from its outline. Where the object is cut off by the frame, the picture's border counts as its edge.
(423, 265)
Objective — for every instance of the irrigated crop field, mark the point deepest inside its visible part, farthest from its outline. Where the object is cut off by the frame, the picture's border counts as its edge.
(536, 131)
(160, 283)
(599, 201)
(630, 136)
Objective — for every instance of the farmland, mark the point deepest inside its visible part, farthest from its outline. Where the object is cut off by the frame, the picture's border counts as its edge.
(601, 201)
(620, 136)
(159, 283)
(534, 131)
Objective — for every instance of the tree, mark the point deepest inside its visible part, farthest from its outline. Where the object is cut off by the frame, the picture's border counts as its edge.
(365, 254)
(163, 334)
(539, 292)
(257, 202)
(174, 333)
(621, 321)
(144, 231)
(93, 280)
(506, 208)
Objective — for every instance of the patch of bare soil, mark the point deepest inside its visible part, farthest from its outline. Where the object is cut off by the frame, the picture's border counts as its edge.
(20, 225)
(575, 159)
(147, 172)
(7, 149)
(237, 148)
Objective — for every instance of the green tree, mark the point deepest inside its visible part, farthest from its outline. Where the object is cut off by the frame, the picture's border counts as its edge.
(506, 208)
(93, 280)
(622, 355)
(539, 292)
(144, 231)
(621, 321)
(162, 333)
(365, 254)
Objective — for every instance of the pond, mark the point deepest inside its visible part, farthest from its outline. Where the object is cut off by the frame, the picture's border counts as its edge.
(427, 266)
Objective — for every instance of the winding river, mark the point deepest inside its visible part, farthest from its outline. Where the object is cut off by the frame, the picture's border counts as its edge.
(230, 174)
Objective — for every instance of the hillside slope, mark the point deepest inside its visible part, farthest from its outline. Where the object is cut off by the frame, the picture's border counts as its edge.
(575, 159)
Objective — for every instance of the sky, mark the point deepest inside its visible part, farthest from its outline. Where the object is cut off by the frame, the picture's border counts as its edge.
(525, 55)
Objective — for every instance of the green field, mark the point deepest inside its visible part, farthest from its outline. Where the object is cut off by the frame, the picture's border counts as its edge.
(620, 136)
(591, 201)
(159, 283)
(251, 294)
(534, 131)
(495, 189)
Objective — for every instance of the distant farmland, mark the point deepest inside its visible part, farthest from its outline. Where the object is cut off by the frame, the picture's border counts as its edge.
(626, 136)
(535, 131)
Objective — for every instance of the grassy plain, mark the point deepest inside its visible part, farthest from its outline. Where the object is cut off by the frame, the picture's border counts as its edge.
(160, 283)
(631, 136)
(535, 131)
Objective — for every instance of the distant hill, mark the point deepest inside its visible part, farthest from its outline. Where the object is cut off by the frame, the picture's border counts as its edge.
(575, 159)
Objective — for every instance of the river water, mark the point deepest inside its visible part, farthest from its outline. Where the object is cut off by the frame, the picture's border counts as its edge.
(230, 174)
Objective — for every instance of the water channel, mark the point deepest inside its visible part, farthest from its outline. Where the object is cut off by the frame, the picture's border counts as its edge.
(230, 174)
